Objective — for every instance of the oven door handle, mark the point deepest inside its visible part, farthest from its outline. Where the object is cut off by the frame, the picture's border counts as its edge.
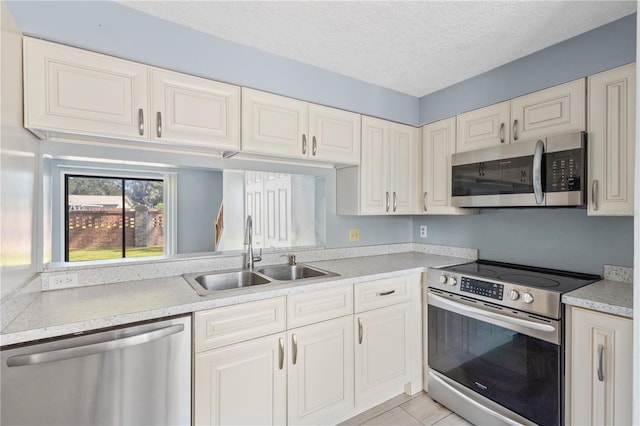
(482, 314)
(473, 402)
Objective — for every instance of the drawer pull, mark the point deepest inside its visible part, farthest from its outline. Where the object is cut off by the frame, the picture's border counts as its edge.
(386, 293)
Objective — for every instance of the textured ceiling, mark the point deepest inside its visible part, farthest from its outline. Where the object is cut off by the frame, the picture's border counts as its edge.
(414, 47)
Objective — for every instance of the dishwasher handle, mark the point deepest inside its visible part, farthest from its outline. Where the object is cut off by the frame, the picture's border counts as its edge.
(94, 348)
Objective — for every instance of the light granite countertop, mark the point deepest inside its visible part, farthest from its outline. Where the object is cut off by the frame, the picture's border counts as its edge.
(608, 296)
(81, 309)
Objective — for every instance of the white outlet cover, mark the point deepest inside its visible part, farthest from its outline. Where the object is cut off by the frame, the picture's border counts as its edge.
(423, 231)
(60, 281)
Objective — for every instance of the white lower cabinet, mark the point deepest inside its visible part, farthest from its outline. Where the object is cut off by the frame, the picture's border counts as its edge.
(322, 365)
(599, 368)
(321, 372)
(383, 356)
(242, 384)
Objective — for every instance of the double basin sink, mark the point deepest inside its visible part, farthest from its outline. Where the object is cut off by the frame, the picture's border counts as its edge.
(211, 282)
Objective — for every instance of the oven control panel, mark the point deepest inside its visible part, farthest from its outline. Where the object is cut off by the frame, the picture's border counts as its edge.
(482, 288)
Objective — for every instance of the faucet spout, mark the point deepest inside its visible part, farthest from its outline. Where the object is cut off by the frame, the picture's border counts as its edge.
(251, 259)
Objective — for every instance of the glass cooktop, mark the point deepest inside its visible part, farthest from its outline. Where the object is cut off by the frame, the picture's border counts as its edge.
(529, 276)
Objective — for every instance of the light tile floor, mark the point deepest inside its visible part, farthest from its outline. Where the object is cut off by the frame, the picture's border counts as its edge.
(405, 410)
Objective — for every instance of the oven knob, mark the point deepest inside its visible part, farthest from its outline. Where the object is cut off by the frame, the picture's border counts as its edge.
(443, 279)
(514, 295)
(527, 298)
(452, 281)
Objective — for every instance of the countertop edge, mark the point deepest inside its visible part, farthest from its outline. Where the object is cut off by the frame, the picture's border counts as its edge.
(606, 296)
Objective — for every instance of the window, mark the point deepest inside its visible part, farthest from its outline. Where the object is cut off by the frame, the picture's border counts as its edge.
(110, 217)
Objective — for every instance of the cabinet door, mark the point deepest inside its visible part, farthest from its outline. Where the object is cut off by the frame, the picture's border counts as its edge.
(273, 124)
(601, 365)
(194, 111)
(321, 372)
(612, 124)
(374, 168)
(403, 167)
(335, 135)
(242, 384)
(484, 127)
(558, 109)
(382, 354)
(75, 91)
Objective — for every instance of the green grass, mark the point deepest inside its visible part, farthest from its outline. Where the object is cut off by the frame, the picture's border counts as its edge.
(76, 255)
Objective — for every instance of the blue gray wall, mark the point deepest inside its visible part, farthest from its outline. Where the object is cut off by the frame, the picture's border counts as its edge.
(553, 238)
(598, 50)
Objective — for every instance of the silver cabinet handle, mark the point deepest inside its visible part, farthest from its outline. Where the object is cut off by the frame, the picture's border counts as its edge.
(140, 121)
(159, 124)
(424, 201)
(501, 132)
(387, 208)
(537, 172)
(395, 201)
(359, 331)
(515, 130)
(594, 195)
(294, 355)
(600, 362)
(281, 353)
(314, 146)
(94, 348)
(304, 144)
(386, 293)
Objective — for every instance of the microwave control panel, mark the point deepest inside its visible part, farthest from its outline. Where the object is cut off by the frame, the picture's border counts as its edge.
(564, 171)
(482, 288)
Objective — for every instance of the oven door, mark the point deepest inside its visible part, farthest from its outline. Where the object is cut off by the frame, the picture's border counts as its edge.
(487, 358)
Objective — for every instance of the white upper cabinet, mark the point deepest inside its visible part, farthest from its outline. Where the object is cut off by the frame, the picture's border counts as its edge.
(285, 127)
(335, 135)
(438, 144)
(273, 124)
(76, 94)
(388, 168)
(558, 109)
(387, 180)
(611, 125)
(194, 110)
(484, 127)
(552, 111)
(74, 91)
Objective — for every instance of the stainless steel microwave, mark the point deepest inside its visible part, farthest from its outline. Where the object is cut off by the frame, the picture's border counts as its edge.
(548, 171)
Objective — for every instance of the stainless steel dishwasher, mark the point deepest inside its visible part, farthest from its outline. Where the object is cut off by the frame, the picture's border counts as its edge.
(136, 375)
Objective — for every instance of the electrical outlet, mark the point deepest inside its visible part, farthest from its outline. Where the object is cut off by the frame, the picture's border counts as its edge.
(354, 234)
(423, 231)
(60, 281)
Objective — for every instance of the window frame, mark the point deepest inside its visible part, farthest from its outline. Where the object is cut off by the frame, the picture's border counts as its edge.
(170, 208)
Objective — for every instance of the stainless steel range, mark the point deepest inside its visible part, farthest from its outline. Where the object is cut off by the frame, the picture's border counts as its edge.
(495, 341)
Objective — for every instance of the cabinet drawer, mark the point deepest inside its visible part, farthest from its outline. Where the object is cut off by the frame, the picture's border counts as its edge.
(316, 306)
(223, 326)
(389, 291)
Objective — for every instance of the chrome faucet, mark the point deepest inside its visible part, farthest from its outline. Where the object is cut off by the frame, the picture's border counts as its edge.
(251, 259)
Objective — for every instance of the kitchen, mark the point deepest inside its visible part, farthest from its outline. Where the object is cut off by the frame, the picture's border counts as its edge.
(496, 233)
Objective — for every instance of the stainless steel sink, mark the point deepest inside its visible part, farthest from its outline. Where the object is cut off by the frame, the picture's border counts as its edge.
(214, 281)
(294, 272)
(208, 283)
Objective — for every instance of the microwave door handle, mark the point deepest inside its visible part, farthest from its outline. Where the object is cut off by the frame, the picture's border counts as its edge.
(537, 172)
